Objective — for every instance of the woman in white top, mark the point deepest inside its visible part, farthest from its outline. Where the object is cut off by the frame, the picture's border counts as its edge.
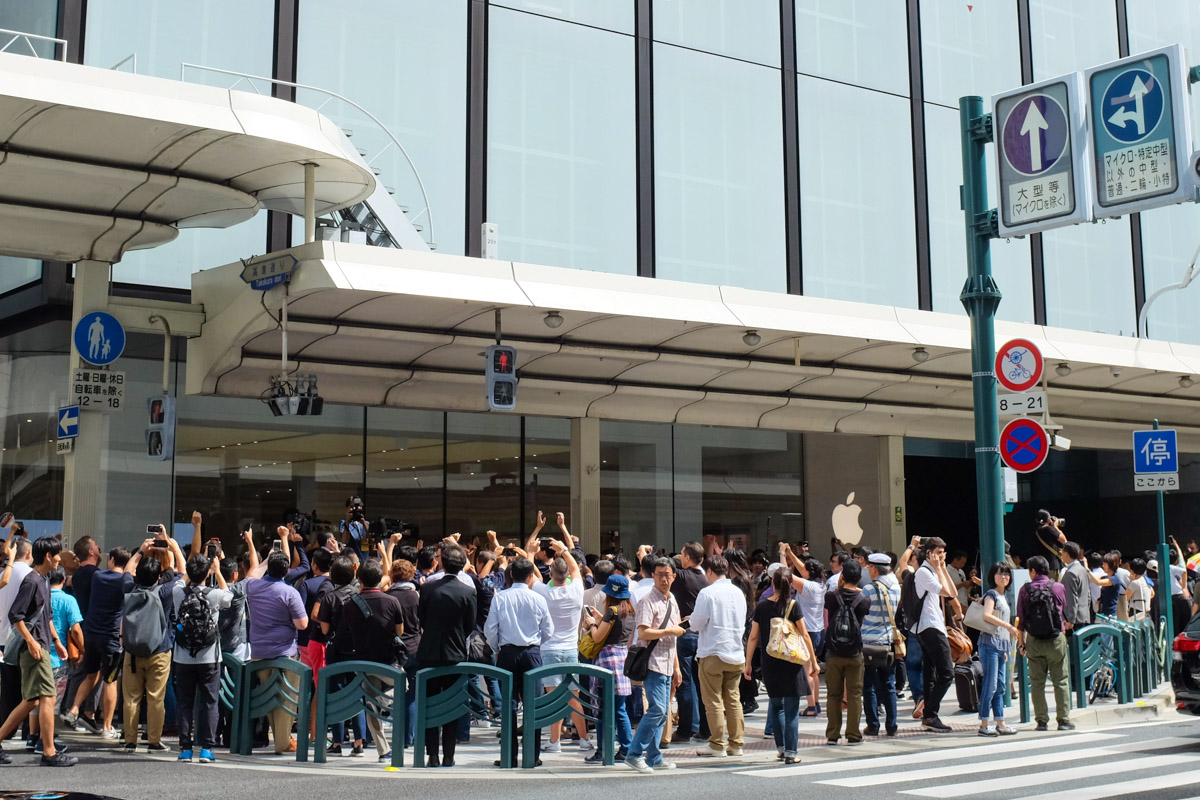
(1139, 594)
(807, 581)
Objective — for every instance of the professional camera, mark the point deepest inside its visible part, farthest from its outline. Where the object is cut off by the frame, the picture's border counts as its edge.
(356, 510)
(302, 522)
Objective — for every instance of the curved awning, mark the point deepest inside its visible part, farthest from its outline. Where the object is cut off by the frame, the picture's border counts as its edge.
(94, 162)
(385, 327)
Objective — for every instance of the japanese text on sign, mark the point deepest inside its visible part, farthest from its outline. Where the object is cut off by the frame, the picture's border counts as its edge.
(1136, 171)
(1032, 199)
(1156, 451)
(100, 390)
(1167, 481)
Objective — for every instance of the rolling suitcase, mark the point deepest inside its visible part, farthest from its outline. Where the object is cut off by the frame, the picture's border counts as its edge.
(968, 678)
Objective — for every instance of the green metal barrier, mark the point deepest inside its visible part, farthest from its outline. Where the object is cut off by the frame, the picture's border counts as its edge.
(1023, 687)
(362, 693)
(462, 697)
(542, 710)
(260, 697)
(231, 696)
(1087, 656)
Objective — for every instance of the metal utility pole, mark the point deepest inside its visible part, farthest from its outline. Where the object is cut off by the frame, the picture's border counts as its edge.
(1164, 567)
(980, 296)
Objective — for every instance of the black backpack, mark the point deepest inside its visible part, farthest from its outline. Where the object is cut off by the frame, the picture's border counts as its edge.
(1042, 618)
(909, 613)
(196, 627)
(844, 636)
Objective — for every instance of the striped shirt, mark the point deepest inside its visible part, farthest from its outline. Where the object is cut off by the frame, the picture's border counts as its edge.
(877, 627)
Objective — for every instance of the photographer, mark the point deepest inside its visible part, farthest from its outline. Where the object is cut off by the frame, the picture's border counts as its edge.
(353, 528)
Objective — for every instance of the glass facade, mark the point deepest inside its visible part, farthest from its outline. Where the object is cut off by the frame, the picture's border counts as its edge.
(743, 29)
(718, 164)
(561, 148)
(226, 34)
(614, 15)
(969, 49)
(859, 42)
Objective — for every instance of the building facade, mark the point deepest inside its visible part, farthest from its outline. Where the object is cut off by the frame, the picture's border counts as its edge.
(798, 147)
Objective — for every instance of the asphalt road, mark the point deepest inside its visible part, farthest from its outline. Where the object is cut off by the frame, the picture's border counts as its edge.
(1161, 759)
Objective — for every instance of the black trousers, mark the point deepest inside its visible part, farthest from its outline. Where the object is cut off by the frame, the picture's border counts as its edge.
(449, 731)
(10, 690)
(937, 669)
(192, 681)
(518, 660)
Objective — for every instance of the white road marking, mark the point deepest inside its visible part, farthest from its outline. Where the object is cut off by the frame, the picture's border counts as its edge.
(1148, 783)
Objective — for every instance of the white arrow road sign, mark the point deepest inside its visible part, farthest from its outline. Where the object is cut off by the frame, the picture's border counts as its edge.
(1033, 126)
(1138, 115)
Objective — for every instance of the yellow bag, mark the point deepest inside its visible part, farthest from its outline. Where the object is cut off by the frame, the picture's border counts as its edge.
(785, 642)
(589, 648)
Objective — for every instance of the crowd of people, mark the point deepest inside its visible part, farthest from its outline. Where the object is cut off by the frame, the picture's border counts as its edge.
(705, 632)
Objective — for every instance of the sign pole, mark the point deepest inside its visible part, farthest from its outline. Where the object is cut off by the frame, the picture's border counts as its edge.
(1164, 566)
(980, 296)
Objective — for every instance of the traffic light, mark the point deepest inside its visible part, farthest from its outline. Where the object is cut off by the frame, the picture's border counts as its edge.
(160, 435)
(501, 377)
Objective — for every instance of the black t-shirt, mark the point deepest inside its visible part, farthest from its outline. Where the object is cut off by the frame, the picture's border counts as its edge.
(408, 597)
(768, 610)
(107, 606)
(685, 587)
(32, 606)
(622, 629)
(330, 597)
(313, 590)
(361, 639)
(81, 586)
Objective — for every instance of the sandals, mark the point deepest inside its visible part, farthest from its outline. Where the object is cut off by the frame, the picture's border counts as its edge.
(812, 711)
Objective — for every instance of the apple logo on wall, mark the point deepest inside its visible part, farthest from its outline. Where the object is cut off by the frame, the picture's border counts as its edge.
(845, 521)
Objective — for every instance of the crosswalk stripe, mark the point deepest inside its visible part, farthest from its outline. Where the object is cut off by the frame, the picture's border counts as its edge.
(941, 754)
(1149, 783)
(1057, 776)
(1051, 756)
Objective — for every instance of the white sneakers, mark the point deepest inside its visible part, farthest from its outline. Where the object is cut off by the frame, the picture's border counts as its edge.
(551, 747)
(711, 752)
(638, 765)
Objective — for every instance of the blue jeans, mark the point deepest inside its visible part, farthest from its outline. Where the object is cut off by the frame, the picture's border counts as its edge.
(914, 663)
(995, 681)
(649, 730)
(785, 713)
(688, 694)
(879, 686)
(624, 729)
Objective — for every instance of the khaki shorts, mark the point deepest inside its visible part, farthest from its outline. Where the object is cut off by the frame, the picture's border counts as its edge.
(37, 677)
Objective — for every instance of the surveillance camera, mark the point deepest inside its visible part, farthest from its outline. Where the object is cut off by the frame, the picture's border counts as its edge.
(1116, 372)
(1060, 442)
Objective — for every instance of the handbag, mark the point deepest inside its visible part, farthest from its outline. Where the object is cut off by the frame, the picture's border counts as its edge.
(960, 645)
(589, 648)
(785, 642)
(399, 651)
(637, 662)
(899, 648)
(974, 619)
(878, 656)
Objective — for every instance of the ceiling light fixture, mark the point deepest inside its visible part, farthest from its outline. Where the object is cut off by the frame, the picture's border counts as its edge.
(1063, 370)
(751, 338)
(920, 355)
(1186, 382)
(553, 319)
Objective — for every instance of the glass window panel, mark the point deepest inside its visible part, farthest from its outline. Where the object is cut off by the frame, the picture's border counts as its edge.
(736, 485)
(547, 471)
(1070, 35)
(1169, 234)
(969, 49)
(227, 34)
(1011, 264)
(864, 42)
(635, 486)
(404, 469)
(616, 15)
(18, 272)
(39, 17)
(32, 388)
(1089, 277)
(857, 218)
(405, 62)
(718, 164)
(746, 29)
(561, 144)
(483, 475)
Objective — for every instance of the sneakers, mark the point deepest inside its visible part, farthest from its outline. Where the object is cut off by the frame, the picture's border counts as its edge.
(185, 755)
(663, 765)
(871, 730)
(551, 747)
(919, 710)
(791, 760)
(638, 765)
(58, 746)
(1005, 731)
(333, 750)
(207, 757)
(5, 758)
(735, 752)
(936, 725)
(989, 731)
(711, 752)
(130, 747)
(69, 719)
(86, 724)
(1041, 726)
(157, 748)
(586, 746)
(59, 760)
(110, 734)
(357, 751)
(385, 757)
(1066, 726)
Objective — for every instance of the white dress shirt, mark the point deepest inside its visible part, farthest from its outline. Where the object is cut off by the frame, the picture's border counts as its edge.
(8, 594)
(518, 616)
(720, 619)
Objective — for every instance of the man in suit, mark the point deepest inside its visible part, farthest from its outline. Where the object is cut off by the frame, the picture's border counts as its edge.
(447, 612)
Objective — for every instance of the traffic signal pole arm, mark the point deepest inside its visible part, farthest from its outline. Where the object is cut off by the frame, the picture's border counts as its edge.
(981, 296)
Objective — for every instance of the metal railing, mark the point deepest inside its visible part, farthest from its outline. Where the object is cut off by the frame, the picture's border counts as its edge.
(131, 57)
(330, 96)
(28, 39)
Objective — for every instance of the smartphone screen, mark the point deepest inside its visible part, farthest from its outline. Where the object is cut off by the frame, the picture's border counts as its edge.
(6, 519)
(278, 545)
(151, 529)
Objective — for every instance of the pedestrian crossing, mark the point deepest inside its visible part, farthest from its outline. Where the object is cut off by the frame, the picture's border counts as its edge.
(1086, 766)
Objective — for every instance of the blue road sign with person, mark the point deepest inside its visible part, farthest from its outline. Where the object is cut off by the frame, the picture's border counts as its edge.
(68, 422)
(1155, 452)
(99, 338)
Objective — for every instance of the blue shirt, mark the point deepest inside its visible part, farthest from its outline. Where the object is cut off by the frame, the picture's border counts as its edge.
(64, 611)
(519, 617)
(357, 531)
(877, 625)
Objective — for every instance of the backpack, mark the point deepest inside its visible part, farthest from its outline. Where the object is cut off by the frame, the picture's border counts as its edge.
(1042, 618)
(844, 636)
(197, 627)
(145, 622)
(909, 613)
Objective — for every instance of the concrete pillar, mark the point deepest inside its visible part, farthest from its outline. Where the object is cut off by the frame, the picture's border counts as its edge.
(84, 482)
(585, 483)
(893, 516)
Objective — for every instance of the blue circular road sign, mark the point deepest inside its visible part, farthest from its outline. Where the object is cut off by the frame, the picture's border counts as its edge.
(1035, 134)
(1132, 105)
(1024, 445)
(99, 338)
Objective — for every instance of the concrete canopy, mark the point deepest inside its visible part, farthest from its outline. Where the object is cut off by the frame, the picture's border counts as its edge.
(386, 327)
(95, 162)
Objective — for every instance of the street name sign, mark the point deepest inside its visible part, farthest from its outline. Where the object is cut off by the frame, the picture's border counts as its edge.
(1141, 132)
(1041, 159)
(267, 273)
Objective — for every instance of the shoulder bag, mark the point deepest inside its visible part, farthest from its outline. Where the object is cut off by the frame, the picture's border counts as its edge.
(399, 651)
(881, 656)
(785, 642)
(974, 619)
(637, 663)
(589, 648)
